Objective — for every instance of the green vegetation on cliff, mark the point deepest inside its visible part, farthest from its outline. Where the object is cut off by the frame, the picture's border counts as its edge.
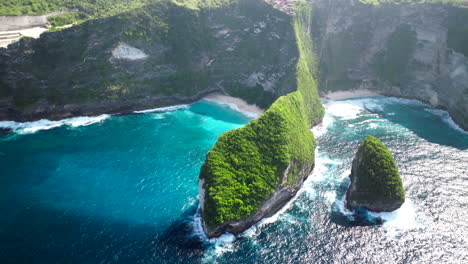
(248, 164)
(378, 180)
(96, 8)
(189, 53)
(379, 2)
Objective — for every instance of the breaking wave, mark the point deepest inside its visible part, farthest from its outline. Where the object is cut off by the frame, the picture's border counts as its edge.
(44, 124)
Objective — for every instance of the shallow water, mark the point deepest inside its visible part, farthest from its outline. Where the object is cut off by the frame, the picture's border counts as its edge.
(124, 190)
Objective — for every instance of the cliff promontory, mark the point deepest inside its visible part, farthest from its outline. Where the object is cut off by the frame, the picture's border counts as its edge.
(253, 171)
(376, 184)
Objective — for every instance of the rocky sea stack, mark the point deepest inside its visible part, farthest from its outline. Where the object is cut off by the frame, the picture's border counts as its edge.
(376, 184)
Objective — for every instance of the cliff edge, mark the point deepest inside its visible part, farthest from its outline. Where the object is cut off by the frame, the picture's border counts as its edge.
(253, 171)
(415, 50)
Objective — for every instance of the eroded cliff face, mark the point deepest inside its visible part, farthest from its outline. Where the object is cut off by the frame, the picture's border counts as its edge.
(253, 171)
(159, 55)
(414, 51)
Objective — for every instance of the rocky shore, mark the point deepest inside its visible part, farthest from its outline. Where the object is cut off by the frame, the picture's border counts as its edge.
(282, 195)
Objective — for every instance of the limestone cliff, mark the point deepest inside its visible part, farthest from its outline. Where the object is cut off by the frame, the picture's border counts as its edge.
(417, 51)
(162, 54)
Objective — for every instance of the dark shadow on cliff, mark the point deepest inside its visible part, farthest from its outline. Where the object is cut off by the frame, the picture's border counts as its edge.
(340, 215)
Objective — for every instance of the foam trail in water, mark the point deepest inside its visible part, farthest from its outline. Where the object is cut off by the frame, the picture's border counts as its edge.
(44, 124)
(163, 109)
(445, 116)
(341, 207)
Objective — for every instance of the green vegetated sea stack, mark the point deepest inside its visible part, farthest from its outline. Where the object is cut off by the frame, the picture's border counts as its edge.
(376, 184)
(253, 171)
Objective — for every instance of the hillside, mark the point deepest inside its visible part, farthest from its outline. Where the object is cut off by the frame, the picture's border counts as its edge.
(190, 51)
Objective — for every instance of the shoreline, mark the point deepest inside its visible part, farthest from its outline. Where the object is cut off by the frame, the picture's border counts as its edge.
(27, 127)
(236, 104)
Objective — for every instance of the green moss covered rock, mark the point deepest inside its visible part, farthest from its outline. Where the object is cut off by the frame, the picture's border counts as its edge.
(376, 184)
(253, 171)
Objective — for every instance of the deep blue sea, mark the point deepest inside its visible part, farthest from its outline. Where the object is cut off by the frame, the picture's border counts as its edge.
(123, 189)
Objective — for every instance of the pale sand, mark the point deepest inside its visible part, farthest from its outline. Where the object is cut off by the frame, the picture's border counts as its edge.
(236, 103)
(339, 95)
(34, 32)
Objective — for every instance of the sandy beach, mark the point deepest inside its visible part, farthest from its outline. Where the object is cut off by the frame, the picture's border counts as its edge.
(340, 95)
(236, 103)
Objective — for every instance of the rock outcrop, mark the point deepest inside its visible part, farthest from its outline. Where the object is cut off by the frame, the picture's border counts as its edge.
(376, 184)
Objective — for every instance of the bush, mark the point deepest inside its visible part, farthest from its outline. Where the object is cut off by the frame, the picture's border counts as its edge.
(67, 18)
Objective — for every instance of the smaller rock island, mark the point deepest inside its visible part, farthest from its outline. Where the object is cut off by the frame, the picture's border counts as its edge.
(376, 184)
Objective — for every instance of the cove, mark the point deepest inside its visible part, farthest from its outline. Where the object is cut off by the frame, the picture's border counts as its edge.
(91, 193)
(124, 190)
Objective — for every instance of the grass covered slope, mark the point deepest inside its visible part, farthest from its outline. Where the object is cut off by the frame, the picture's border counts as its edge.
(379, 2)
(247, 165)
(91, 7)
(375, 182)
(88, 9)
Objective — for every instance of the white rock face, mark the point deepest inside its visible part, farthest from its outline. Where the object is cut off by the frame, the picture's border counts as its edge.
(201, 193)
(126, 52)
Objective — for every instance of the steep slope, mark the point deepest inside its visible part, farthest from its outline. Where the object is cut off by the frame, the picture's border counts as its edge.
(186, 52)
(253, 171)
(416, 51)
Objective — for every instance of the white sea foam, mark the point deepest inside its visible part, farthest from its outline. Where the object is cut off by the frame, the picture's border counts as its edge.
(323, 171)
(44, 124)
(163, 109)
(319, 172)
(322, 128)
(223, 243)
(444, 115)
(350, 108)
(340, 206)
(343, 109)
(402, 219)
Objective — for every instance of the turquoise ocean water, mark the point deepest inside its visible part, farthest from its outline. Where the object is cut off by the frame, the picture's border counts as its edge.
(123, 189)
